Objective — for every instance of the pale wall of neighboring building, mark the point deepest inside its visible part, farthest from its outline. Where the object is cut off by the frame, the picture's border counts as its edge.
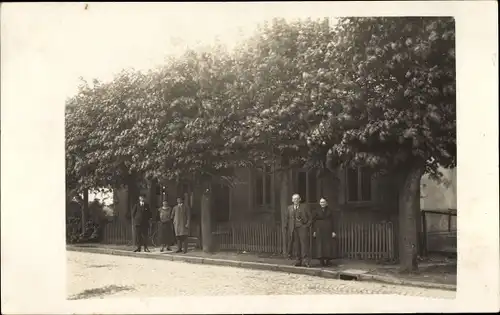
(439, 195)
(105, 197)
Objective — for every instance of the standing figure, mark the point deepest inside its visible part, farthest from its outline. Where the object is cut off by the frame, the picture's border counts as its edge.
(181, 216)
(323, 234)
(141, 215)
(166, 229)
(297, 225)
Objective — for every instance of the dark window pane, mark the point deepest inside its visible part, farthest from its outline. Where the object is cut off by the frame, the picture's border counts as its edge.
(302, 186)
(220, 203)
(259, 187)
(366, 184)
(352, 184)
(313, 187)
(268, 189)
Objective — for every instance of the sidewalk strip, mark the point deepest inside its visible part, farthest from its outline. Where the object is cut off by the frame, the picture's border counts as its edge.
(332, 274)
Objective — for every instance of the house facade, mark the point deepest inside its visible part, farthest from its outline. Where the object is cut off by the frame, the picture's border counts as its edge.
(247, 215)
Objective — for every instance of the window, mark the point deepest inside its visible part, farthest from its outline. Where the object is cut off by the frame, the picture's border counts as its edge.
(263, 186)
(307, 186)
(359, 184)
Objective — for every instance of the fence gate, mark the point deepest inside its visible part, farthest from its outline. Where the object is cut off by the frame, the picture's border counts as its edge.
(439, 231)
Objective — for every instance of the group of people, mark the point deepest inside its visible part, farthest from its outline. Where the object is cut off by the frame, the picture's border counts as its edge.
(173, 225)
(301, 224)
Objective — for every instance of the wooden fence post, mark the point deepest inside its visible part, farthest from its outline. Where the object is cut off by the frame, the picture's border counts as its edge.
(449, 220)
(424, 235)
(206, 217)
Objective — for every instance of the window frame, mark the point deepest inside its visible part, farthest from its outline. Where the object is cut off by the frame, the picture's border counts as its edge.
(360, 177)
(267, 188)
(308, 173)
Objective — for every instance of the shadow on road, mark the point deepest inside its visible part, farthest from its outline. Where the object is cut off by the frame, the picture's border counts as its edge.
(101, 266)
(99, 292)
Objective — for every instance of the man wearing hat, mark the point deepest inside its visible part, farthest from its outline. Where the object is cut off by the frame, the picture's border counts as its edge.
(181, 217)
(141, 214)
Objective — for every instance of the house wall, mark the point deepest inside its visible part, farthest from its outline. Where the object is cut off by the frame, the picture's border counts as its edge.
(382, 207)
(439, 195)
(241, 195)
(243, 206)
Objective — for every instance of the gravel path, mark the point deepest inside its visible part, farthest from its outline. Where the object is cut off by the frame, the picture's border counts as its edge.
(97, 276)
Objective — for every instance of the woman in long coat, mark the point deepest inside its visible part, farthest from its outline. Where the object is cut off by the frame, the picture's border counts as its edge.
(323, 234)
(166, 228)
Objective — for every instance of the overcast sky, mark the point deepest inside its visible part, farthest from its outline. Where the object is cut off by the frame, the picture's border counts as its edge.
(105, 38)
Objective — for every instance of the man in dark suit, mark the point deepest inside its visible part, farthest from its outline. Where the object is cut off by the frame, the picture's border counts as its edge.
(297, 226)
(141, 214)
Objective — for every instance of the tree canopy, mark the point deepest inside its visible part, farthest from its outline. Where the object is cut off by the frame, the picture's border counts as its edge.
(398, 92)
(365, 91)
(376, 92)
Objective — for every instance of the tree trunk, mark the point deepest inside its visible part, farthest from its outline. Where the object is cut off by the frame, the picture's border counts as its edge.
(132, 193)
(206, 218)
(85, 209)
(196, 209)
(408, 238)
(284, 199)
(418, 218)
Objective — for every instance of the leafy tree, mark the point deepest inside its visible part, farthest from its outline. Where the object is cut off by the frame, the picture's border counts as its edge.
(277, 92)
(370, 91)
(376, 92)
(194, 126)
(103, 123)
(396, 86)
(101, 132)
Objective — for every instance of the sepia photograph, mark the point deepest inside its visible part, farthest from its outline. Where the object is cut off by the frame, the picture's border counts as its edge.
(321, 152)
(271, 154)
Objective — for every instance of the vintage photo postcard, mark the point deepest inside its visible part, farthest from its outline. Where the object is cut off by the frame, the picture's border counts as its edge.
(227, 157)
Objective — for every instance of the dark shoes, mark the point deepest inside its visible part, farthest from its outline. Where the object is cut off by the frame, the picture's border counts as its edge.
(300, 264)
(162, 249)
(178, 251)
(325, 262)
(138, 249)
